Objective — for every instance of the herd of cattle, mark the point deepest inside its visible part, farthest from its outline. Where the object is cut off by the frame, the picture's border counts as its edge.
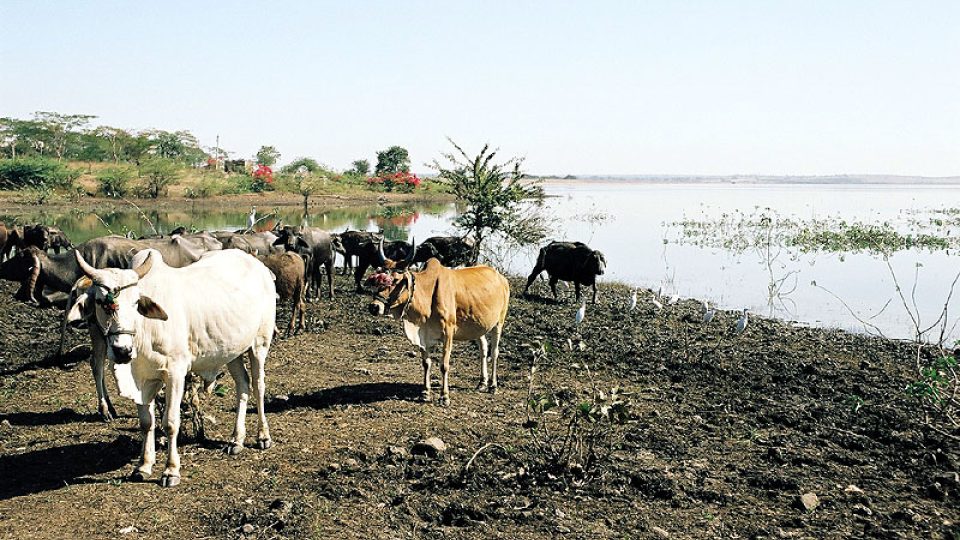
(158, 308)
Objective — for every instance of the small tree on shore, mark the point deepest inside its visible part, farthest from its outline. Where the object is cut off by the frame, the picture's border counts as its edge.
(267, 155)
(361, 167)
(393, 160)
(498, 202)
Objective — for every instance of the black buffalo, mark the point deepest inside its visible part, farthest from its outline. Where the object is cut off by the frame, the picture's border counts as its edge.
(375, 254)
(451, 251)
(44, 237)
(353, 242)
(569, 261)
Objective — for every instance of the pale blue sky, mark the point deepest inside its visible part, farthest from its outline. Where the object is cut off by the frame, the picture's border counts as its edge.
(762, 87)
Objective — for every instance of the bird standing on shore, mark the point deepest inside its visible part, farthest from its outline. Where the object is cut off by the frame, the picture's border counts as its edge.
(252, 218)
(633, 300)
(581, 313)
(742, 322)
(708, 312)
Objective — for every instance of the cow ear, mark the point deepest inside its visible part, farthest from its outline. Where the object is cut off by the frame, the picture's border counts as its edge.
(149, 309)
(302, 243)
(278, 241)
(78, 311)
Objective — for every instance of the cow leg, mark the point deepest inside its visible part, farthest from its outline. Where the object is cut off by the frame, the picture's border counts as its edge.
(553, 287)
(576, 286)
(175, 386)
(425, 361)
(148, 454)
(358, 276)
(258, 358)
(484, 376)
(98, 360)
(242, 380)
(494, 356)
(445, 369)
(294, 305)
(594, 293)
(329, 267)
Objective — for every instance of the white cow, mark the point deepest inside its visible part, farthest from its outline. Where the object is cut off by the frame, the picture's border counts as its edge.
(167, 321)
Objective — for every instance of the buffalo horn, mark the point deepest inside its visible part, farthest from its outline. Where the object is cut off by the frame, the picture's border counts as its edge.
(413, 251)
(383, 258)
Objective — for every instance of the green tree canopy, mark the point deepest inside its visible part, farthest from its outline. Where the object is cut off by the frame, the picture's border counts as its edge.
(268, 155)
(393, 160)
(361, 167)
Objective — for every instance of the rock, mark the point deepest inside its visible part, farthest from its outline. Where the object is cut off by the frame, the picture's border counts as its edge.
(125, 530)
(661, 533)
(5, 424)
(247, 528)
(281, 397)
(808, 501)
(397, 451)
(853, 491)
(432, 447)
(351, 463)
(862, 510)
(333, 467)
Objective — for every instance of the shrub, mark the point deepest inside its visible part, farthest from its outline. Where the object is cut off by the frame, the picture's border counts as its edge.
(35, 172)
(309, 164)
(262, 179)
(157, 175)
(401, 181)
(114, 181)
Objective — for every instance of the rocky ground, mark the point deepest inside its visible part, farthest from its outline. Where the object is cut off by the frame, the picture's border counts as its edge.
(781, 432)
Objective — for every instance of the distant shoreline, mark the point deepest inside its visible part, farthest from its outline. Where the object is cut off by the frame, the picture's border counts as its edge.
(757, 179)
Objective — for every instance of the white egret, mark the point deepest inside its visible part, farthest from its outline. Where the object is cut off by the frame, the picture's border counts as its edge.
(633, 300)
(708, 312)
(252, 218)
(674, 299)
(655, 302)
(742, 322)
(582, 312)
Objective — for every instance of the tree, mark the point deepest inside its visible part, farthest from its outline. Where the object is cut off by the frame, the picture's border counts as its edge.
(361, 167)
(114, 139)
(60, 128)
(309, 164)
(158, 175)
(267, 155)
(497, 200)
(393, 160)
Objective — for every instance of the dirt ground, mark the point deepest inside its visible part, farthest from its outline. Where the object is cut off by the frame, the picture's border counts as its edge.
(727, 433)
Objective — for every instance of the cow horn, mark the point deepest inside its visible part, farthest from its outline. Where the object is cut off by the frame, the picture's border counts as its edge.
(145, 267)
(383, 258)
(87, 269)
(413, 251)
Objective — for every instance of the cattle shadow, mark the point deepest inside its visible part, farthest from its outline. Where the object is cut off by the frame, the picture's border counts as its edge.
(55, 468)
(63, 416)
(354, 394)
(67, 360)
(535, 298)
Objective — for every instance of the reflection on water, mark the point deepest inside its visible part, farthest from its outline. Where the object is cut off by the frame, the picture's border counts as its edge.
(629, 222)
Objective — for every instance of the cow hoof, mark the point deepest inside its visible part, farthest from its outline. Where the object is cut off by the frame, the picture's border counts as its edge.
(106, 417)
(482, 387)
(444, 401)
(139, 476)
(264, 444)
(169, 480)
(233, 449)
(426, 397)
(492, 390)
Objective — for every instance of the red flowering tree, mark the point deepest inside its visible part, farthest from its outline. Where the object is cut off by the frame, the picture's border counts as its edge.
(262, 177)
(400, 181)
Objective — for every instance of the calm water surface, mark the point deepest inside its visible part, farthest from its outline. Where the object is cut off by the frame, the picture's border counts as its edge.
(631, 223)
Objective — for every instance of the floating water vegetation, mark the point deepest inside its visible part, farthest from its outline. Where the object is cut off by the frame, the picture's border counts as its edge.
(762, 228)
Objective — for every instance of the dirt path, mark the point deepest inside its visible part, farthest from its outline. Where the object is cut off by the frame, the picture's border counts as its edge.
(728, 432)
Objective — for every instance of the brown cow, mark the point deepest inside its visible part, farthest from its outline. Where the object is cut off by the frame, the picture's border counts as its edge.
(443, 305)
(290, 272)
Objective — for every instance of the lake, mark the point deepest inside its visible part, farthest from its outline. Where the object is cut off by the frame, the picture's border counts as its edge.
(634, 224)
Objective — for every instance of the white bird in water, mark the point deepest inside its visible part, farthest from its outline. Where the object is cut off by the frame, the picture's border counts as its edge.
(742, 322)
(582, 312)
(252, 218)
(633, 301)
(708, 312)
